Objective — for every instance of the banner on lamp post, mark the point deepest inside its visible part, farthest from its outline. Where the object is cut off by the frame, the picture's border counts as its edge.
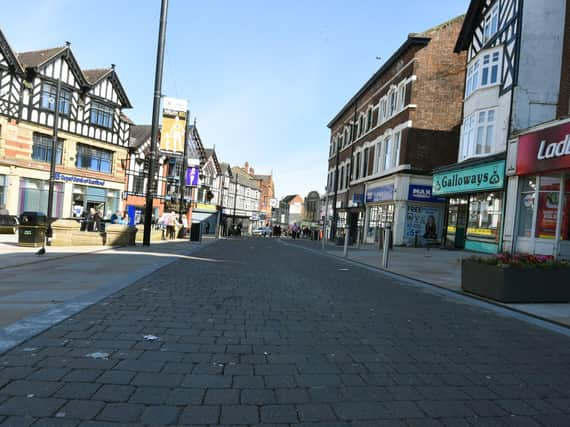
(192, 176)
(173, 124)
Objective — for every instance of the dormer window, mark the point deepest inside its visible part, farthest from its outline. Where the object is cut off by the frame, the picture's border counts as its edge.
(49, 92)
(491, 23)
(101, 115)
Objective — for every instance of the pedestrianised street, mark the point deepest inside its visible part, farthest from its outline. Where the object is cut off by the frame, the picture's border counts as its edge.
(265, 332)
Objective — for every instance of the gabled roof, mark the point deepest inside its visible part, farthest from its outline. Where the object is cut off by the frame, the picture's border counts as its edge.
(287, 199)
(9, 54)
(211, 152)
(244, 178)
(471, 21)
(139, 135)
(199, 147)
(37, 58)
(94, 76)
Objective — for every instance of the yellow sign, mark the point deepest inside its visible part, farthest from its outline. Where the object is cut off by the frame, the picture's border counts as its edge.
(206, 207)
(173, 132)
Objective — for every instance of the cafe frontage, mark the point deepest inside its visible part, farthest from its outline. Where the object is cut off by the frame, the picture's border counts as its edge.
(541, 202)
(474, 193)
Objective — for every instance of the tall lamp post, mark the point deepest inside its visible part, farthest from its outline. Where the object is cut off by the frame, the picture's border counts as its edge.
(183, 167)
(154, 127)
(49, 231)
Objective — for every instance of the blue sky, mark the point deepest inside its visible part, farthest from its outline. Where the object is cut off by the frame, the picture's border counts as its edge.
(263, 78)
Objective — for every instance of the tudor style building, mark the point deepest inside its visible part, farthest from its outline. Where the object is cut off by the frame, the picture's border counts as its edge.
(512, 83)
(386, 140)
(93, 133)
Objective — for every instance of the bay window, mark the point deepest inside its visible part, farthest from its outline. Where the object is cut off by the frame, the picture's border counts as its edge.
(477, 134)
(48, 95)
(483, 72)
(101, 115)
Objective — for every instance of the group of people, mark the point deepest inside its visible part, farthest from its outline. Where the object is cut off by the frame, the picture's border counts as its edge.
(169, 221)
(298, 232)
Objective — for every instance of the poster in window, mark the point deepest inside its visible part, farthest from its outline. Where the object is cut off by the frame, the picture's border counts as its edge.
(423, 221)
(547, 215)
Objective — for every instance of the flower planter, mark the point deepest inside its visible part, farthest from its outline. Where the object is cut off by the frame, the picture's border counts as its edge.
(516, 285)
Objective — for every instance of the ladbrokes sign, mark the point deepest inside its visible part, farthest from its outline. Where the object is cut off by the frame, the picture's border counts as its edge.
(544, 150)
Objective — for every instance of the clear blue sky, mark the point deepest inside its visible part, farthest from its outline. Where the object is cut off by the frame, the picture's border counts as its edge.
(263, 77)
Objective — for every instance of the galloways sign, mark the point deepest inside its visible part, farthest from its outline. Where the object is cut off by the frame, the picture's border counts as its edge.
(489, 176)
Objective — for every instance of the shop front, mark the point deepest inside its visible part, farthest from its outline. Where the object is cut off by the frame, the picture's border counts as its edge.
(355, 214)
(542, 200)
(207, 215)
(475, 199)
(406, 204)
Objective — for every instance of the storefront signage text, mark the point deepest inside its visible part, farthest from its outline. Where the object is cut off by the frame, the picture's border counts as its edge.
(489, 176)
(544, 150)
(423, 193)
(78, 179)
(380, 194)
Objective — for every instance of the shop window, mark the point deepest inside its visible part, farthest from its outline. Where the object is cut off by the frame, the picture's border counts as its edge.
(485, 216)
(526, 206)
(2, 189)
(95, 159)
(547, 212)
(34, 196)
(41, 148)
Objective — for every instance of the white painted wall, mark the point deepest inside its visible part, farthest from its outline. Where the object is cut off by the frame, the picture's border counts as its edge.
(536, 94)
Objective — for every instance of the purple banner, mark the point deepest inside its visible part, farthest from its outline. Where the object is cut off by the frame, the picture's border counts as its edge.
(192, 175)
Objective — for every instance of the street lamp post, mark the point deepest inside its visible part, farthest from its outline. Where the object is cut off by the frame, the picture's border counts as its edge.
(49, 231)
(154, 127)
(182, 175)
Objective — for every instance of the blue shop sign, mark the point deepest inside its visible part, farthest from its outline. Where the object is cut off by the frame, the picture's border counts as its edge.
(380, 194)
(423, 193)
(192, 175)
(78, 179)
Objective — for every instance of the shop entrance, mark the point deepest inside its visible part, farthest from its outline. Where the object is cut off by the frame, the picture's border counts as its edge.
(458, 216)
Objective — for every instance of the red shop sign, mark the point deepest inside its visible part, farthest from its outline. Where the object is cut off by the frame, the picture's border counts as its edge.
(544, 150)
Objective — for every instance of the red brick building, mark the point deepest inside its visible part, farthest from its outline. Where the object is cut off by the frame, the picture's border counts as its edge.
(388, 137)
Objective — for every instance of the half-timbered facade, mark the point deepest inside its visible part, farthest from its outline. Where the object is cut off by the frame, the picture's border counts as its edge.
(386, 140)
(512, 83)
(93, 133)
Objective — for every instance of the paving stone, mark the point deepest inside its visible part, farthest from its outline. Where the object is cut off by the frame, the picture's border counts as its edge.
(160, 415)
(207, 381)
(116, 377)
(315, 412)
(221, 397)
(77, 390)
(34, 407)
(184, 397)
(194, 415)
(36, 388)
(247, 381)
(121, 412)
(82, 375)
(150, 395)
(114, 393)
(258, 397)
(278, 414)
(157, 380)
(82, 409)
(239, 414)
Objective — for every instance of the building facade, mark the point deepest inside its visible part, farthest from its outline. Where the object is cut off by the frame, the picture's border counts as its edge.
(93, 133)
(312, 208)
(514, 56)
(386, 140)
(206, 208)
(290, 210)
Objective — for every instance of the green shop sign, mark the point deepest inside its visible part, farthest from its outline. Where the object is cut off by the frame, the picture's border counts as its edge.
(489, 176)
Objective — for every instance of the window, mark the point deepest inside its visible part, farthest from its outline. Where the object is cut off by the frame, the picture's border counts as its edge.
(491, 23)
(397, 140)
(101, 115)
(477, 134)
(388, 153)
(526, 206)
(378, 157)
(483, 72)
(401, 96)
(341, 176)
(490, 69)
(34, 196)
(3, 189)
(548, 200)
(365, 162)
(383, 108)
(345, 137)
(485, 216)
(393, 103)
(357, 169)
(95, 159)
(369, 120)
(41, 148)
(472, 78)
(49, 92)
(360, 125)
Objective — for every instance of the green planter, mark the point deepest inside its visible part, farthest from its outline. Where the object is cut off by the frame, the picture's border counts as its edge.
(514, 285)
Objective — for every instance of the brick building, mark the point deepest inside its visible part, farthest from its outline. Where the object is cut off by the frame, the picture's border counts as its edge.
(386, 140)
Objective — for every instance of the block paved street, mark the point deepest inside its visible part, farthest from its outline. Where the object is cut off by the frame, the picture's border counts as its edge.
(275, 335)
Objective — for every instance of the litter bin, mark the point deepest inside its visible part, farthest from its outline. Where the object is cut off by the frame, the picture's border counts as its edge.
(195, 232)
(32, 229)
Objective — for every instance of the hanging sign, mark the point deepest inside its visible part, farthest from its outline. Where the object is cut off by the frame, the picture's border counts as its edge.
(173, 124)
(192, 176)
